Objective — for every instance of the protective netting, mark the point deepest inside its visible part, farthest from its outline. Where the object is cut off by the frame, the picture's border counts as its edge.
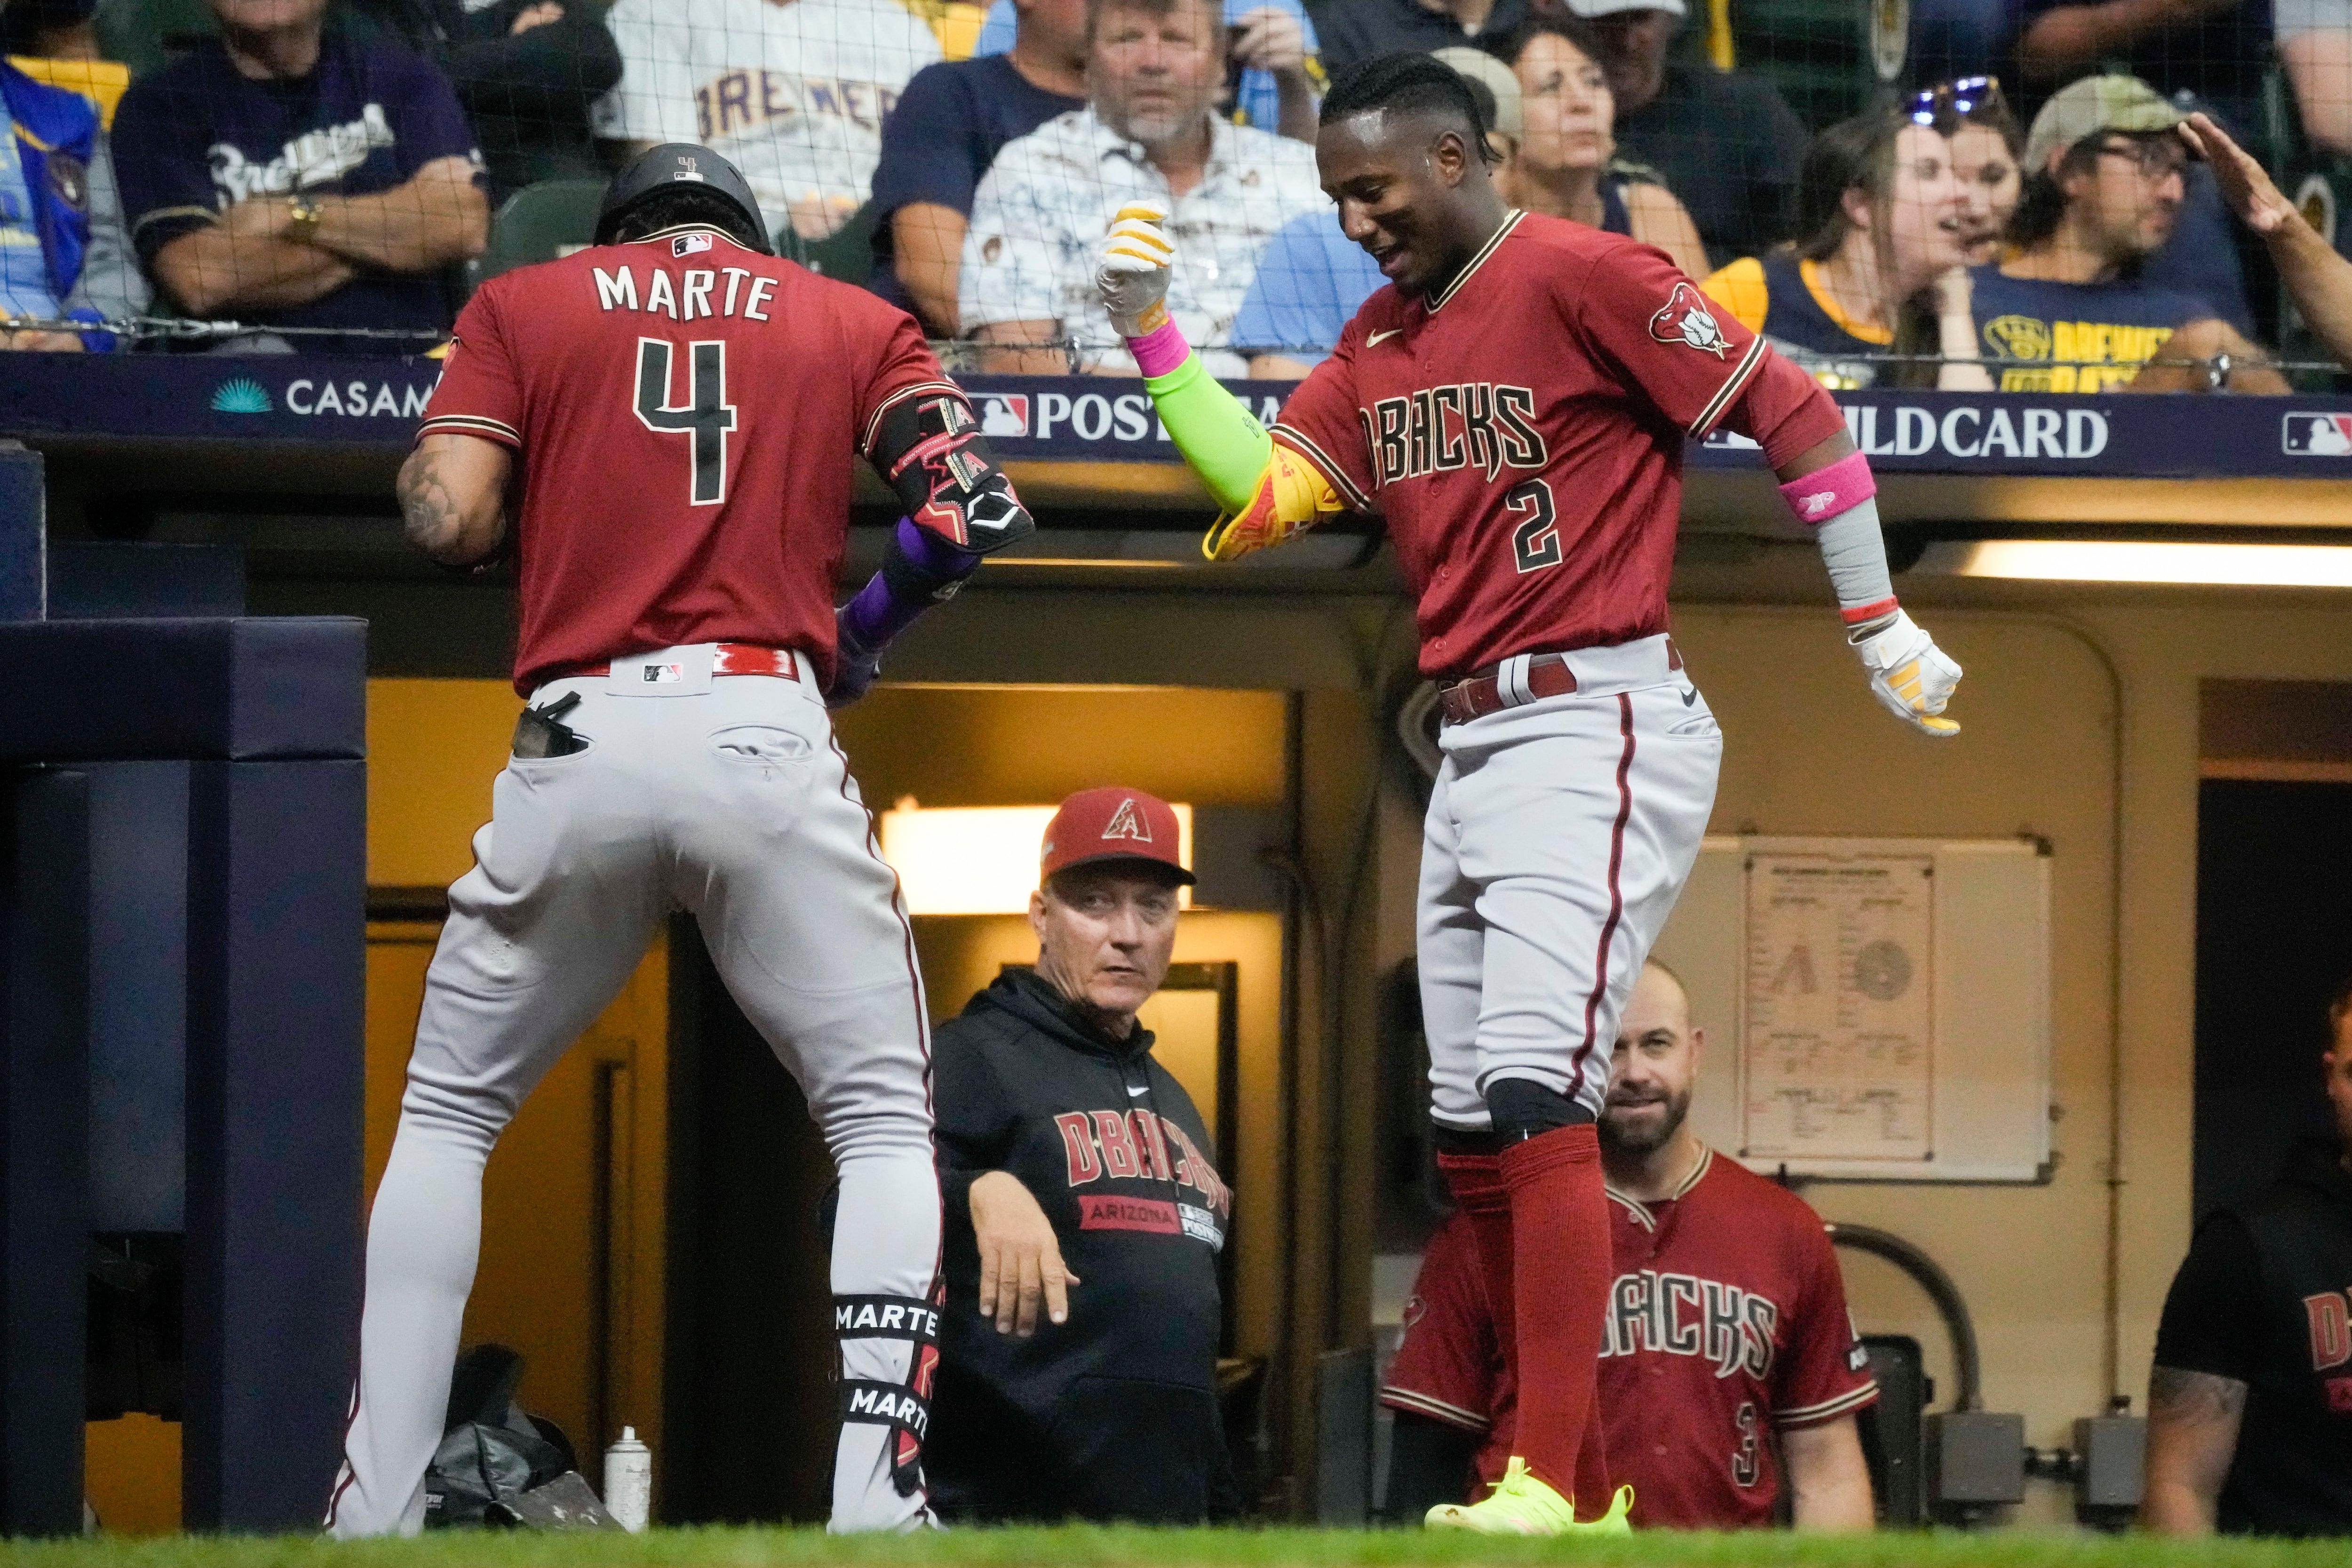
(2034, 195)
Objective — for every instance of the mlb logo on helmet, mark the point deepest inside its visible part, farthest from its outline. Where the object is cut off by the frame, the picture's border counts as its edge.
(1112, 825)
(1685, 320)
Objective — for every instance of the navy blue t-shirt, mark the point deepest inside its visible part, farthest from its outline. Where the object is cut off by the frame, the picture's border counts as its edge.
(197, 137)
(949, 124)
(2102, 331)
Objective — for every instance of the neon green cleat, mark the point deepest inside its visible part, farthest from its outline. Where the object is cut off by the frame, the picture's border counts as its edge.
(1523, 1505)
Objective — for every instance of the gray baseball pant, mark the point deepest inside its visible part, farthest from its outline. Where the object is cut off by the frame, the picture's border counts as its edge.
(731, 800)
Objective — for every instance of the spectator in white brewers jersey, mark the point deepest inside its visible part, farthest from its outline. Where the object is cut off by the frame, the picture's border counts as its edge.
(1149, 134)
(794, 95)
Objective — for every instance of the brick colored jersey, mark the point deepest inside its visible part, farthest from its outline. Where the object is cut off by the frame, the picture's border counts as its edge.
(685, 411)
(1727, 1319)
(1522, 435)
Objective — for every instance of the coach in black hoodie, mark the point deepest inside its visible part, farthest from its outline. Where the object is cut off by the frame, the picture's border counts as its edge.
(1077, 1372)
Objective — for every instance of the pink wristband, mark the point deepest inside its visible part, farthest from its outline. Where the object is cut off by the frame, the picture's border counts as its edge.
(1160, 350)
(1828, 492)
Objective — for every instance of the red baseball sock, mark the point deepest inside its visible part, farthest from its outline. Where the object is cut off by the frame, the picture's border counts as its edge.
(1476, 1183)
(1559, 1243)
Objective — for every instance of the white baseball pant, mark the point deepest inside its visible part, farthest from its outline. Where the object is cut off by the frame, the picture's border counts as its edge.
(1557, 837)
(730, 799)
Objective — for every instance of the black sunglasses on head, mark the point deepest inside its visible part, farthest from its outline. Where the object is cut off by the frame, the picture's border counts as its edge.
(1961, 98)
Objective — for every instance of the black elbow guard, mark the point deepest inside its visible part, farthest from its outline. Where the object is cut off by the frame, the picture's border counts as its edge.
(932, 452)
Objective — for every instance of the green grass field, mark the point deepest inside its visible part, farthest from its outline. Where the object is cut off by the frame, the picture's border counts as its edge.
(1163, 1549)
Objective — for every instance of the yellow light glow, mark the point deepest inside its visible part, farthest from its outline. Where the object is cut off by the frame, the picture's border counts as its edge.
(2128, 561)
(979, 859)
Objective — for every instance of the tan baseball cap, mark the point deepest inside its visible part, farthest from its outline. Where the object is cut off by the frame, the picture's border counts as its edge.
(1496, 77)
(2094, 104)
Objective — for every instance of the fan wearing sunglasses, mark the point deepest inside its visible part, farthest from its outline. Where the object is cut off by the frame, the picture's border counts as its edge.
(1894, 208)
(2067, 310)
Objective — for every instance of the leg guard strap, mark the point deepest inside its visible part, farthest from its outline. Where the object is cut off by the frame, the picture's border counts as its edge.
(885, 1317)
(904, 1407)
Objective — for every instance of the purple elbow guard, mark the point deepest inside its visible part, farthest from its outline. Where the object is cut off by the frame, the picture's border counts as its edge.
(921, 568)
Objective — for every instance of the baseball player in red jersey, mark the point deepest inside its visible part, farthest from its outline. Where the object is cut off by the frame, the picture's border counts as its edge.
(1515, 406)
(657, 428)
(1727, 1348)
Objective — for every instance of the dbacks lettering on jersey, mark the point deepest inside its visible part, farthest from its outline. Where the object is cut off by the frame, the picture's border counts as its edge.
(1110, 1143)
(1725, 1324)
(1468, 425)
(938, 462)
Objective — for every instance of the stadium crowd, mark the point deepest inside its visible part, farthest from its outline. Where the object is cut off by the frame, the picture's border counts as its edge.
(327, 171)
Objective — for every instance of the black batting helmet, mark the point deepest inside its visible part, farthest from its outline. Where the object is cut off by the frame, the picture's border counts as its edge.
(663, 169)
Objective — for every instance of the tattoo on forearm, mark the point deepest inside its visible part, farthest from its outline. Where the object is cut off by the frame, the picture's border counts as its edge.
(429, 514)
(2176, 1394)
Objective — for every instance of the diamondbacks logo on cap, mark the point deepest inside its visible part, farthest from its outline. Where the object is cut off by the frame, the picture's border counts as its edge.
(1127, 823)
(1685, 320)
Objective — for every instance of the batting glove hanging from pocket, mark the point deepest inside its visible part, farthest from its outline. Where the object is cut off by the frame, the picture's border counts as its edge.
(1133, 270)
(1909, 674)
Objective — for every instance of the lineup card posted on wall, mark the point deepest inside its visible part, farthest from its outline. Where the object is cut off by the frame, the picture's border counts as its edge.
(1875, 1008)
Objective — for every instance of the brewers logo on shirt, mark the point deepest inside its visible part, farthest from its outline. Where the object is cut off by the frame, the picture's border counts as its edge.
(794, 95)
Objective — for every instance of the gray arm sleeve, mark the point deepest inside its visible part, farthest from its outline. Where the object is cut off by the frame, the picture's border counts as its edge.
(1854, 550)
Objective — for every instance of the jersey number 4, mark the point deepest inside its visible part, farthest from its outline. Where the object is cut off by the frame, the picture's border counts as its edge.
(1535, 542)
(705, 417)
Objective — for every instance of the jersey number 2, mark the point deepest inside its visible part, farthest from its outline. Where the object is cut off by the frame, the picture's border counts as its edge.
(705, 417)
(1535, 543)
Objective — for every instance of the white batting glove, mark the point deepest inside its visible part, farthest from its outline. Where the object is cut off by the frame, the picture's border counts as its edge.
(1909, 674)
(1132, 274)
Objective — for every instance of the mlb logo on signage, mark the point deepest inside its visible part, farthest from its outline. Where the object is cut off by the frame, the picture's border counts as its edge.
(2317, 435)
(1004, 414)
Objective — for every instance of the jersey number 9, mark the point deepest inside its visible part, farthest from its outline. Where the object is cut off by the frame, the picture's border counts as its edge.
(706, 416)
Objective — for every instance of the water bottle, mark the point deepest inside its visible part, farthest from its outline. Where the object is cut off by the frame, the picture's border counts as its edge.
(629, 1482)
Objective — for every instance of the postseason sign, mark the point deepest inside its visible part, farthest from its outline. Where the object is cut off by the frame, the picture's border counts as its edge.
(1104, 419)
(1109, 419)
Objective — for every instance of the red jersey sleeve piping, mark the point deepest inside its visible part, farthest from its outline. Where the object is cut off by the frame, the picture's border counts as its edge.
(1300, 443)
(488, 429)
(1828, 1409)
(1728, 393)
(1453, 1416)
(874, 420)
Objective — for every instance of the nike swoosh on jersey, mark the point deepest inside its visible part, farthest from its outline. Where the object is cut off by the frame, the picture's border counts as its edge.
(1377, 339)
(1690, 697)
(1137, 1090)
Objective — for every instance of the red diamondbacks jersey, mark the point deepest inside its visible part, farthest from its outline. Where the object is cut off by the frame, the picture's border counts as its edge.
(686, 411)
(1727, 1319)
(1522, 435)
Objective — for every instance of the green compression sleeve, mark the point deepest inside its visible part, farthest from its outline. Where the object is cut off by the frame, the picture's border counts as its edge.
(1221, 439)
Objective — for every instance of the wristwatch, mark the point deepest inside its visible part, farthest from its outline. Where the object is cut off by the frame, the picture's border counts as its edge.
(302, 217)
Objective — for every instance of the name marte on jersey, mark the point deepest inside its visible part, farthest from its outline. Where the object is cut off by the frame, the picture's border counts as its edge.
(1469, 425)
(698, 295)
(1682, 1314)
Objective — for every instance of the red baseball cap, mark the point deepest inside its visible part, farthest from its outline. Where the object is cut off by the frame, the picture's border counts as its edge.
(1112, 825)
